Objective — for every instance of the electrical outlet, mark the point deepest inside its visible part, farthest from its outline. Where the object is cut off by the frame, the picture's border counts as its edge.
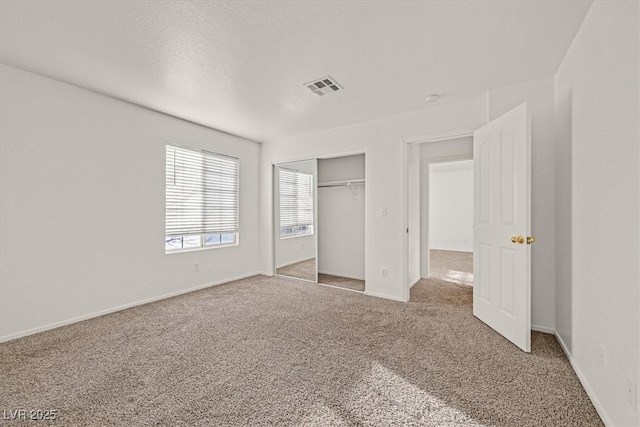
(602, 360)
(383, 212)
(632, 393)
(196, 266)
(384, 272)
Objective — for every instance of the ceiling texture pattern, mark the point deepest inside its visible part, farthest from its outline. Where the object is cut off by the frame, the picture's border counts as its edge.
(240, 66)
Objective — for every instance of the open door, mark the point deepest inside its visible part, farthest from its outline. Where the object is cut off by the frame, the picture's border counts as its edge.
(502, 224)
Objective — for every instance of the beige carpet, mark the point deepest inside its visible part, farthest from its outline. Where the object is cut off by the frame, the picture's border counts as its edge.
(301, 270)
(341, 282)
(452, 266)
(275, 351)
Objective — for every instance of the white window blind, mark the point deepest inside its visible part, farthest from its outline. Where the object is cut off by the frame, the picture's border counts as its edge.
(202, 192)
(296, 198)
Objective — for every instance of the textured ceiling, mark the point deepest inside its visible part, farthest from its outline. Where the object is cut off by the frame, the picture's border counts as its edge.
(239, 66)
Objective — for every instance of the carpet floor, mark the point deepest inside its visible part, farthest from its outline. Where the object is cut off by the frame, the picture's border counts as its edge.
(276, 351)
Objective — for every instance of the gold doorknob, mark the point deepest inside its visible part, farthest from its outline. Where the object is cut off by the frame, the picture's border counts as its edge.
(530, 240)
(518, 239)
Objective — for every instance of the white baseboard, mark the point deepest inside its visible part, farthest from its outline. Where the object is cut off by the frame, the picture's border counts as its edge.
(585, 384)
(340, 288)
(414, 281)
(377, 295)
(544, 329)
(348, 276)
(50, 326)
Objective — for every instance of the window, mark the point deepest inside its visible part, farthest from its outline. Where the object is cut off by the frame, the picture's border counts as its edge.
(202, 207)
(296, 203)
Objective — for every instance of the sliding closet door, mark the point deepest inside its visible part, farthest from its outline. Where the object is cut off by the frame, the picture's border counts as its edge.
(296, 218)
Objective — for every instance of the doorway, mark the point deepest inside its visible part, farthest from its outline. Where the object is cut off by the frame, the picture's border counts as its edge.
(422, 157)
(450, 225)
(501, 151)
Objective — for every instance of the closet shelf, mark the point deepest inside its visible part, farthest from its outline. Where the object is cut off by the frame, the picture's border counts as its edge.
(345, 183)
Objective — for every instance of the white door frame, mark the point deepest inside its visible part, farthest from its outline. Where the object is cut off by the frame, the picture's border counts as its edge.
(434, 137)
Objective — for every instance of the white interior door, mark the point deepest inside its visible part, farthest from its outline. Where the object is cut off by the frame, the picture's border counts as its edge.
(502, 206)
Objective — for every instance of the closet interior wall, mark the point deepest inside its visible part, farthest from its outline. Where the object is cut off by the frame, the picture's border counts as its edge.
(341, 216)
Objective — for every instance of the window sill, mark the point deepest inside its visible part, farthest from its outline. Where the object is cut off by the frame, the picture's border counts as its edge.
(296, 235)
(205, 248)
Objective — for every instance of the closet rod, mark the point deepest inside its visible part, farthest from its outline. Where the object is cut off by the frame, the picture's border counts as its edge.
(342, 183)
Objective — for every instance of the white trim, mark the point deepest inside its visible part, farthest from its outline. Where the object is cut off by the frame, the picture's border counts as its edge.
(320, 157)
(585, 384)
(55, 325)
(348, 276)
(404, 214)
(543, 329)
(293, 236)
(205, 247)
(283, 276)
(440, 136)
(343, 183)
(385, 296)
(343, 154)
(340, 287)
(413, 282)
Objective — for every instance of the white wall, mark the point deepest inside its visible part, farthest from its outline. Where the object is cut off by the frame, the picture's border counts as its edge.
(295, 249)
(342, 168)
(447, 149)
(598, 111)
(82, 208)
(563, 214)
(451, 206)
(341, 241)
(341, 218)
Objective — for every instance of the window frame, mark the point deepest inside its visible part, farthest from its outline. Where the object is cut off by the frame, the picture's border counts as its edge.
(202, 244)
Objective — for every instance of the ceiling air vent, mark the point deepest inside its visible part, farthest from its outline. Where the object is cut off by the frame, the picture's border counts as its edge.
(323, 86)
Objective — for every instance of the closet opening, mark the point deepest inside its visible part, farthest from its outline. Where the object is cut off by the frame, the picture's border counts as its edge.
(341, 222)
(319, 221)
